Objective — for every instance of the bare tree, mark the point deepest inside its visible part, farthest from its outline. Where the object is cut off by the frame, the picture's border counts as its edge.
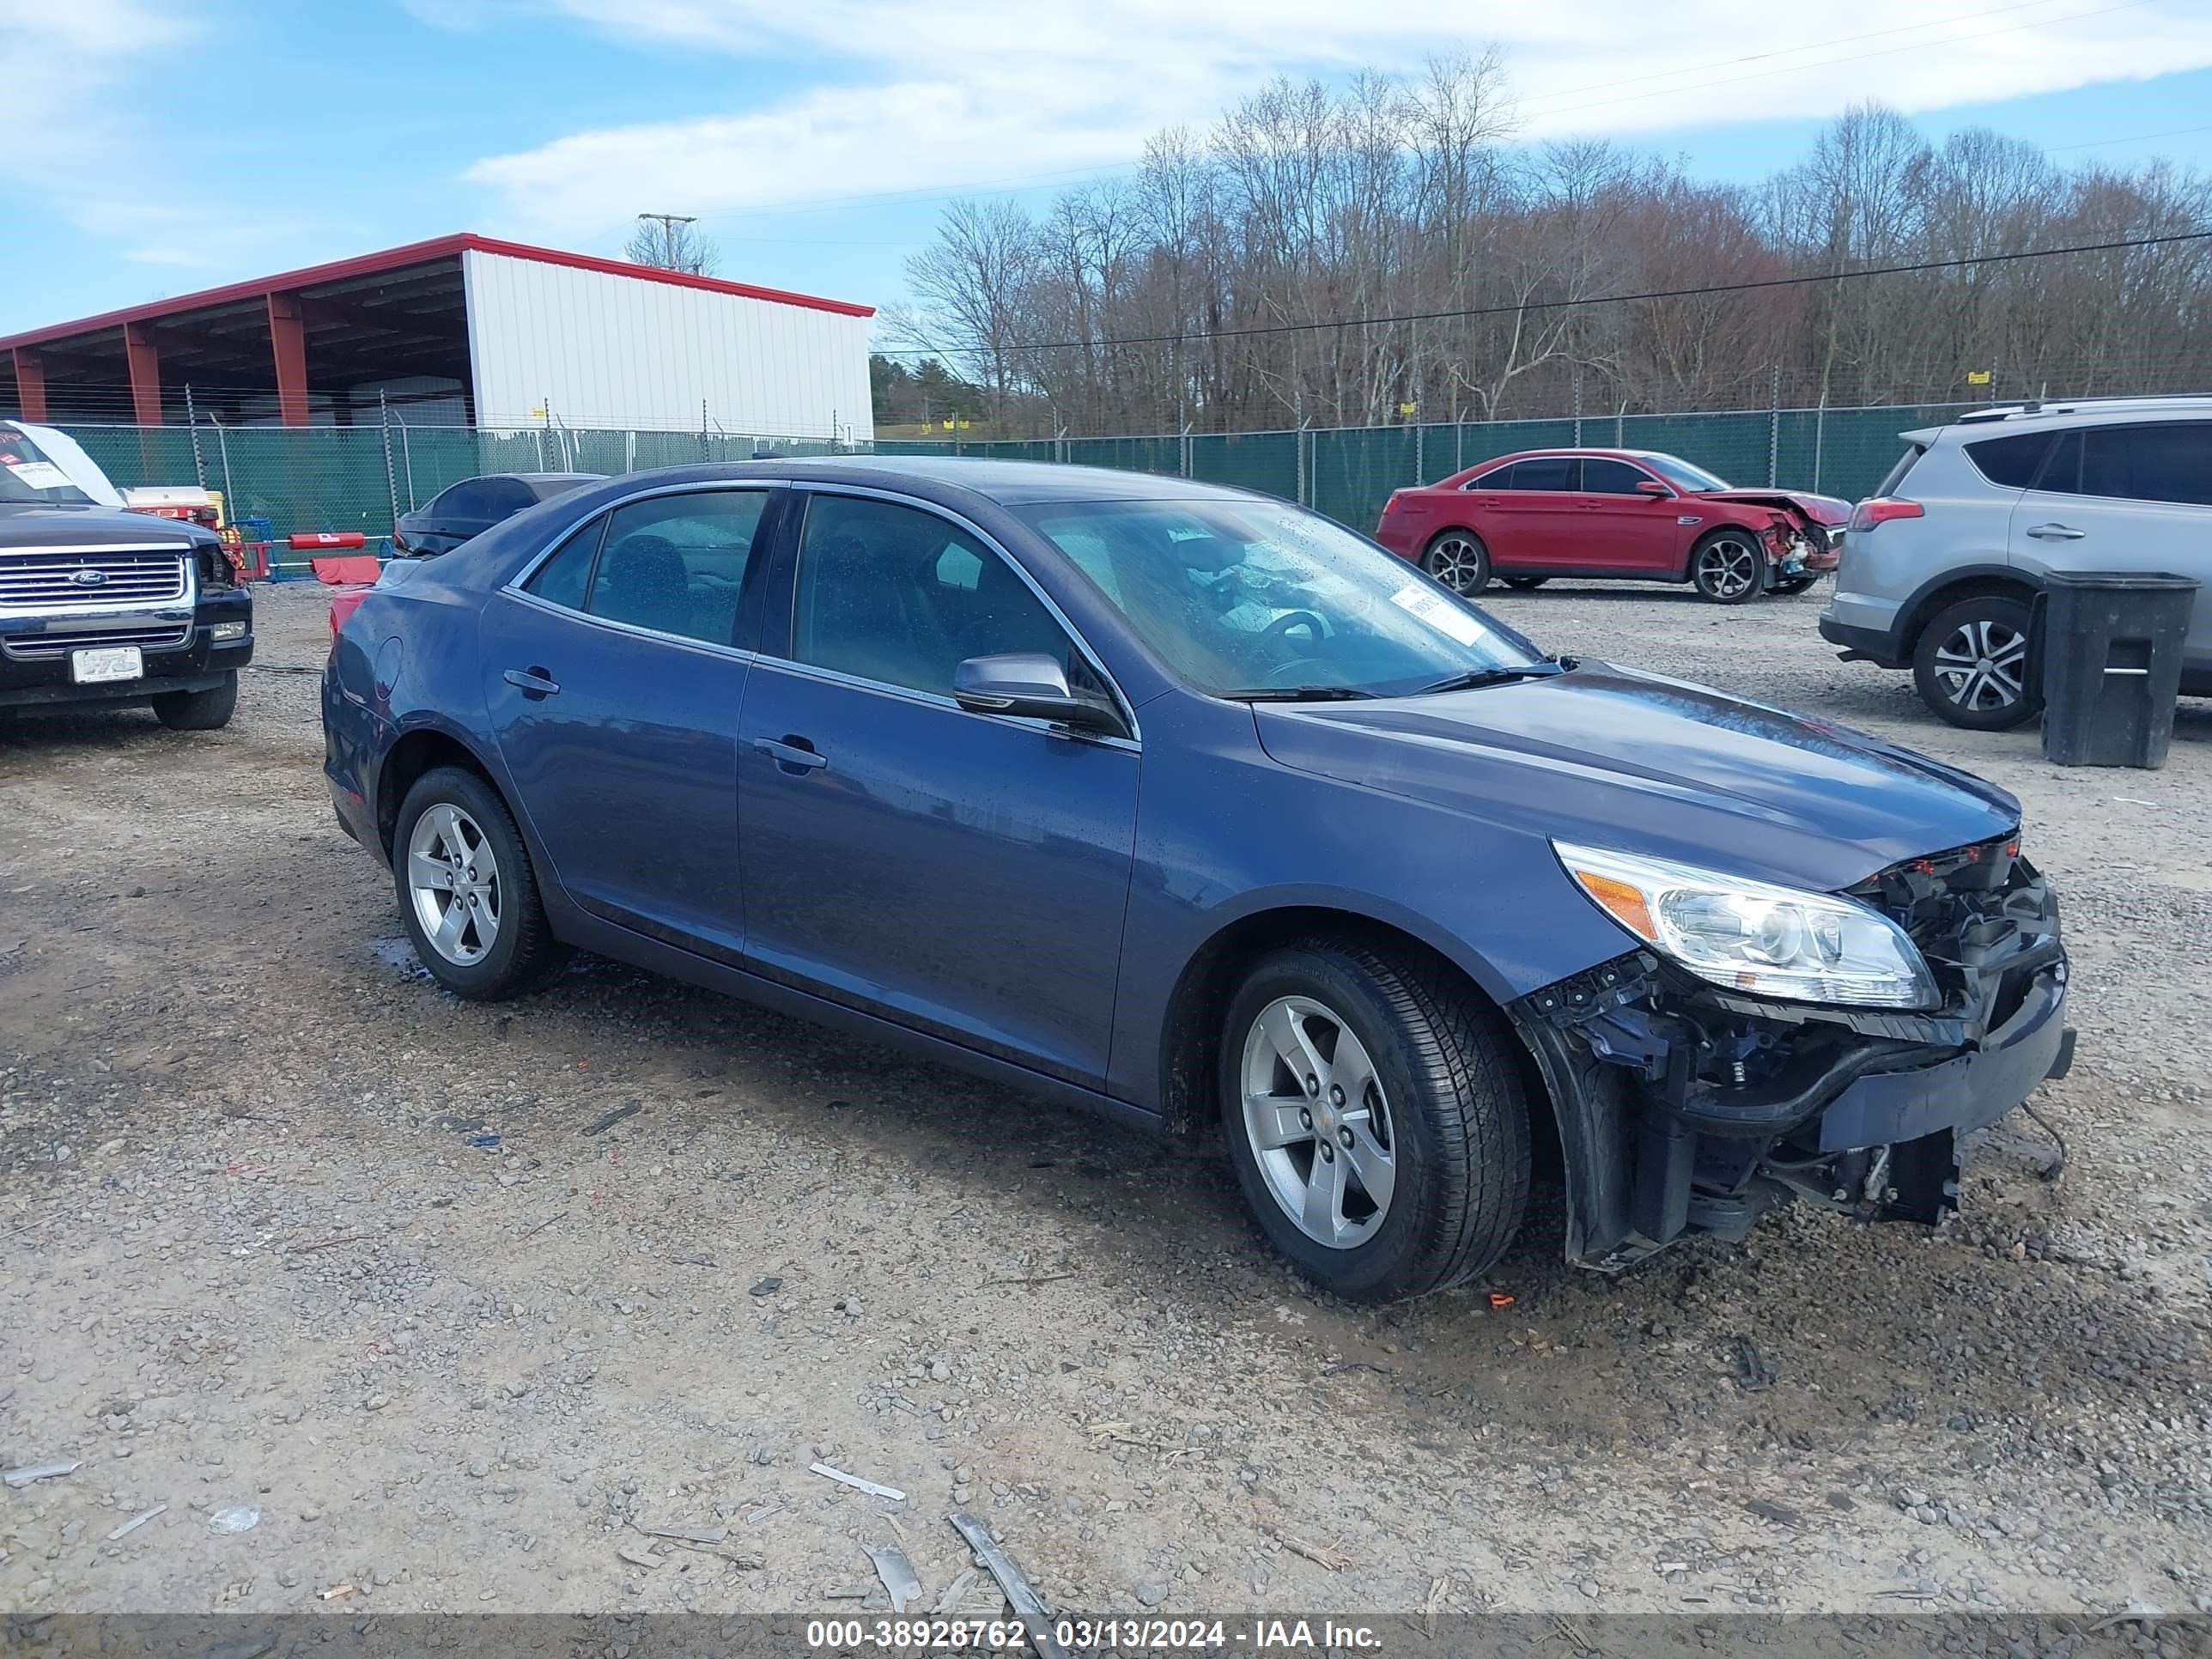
(1338, 256)
(672, 242)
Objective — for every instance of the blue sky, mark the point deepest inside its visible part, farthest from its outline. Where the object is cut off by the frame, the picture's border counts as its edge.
(157, 147)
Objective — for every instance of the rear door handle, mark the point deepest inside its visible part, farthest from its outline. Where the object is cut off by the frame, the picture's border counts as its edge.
(794, 755)
(534, 683)
(2056, 532)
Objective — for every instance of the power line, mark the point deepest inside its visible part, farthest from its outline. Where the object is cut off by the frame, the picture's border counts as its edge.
(1595, 299)
(2137, 138)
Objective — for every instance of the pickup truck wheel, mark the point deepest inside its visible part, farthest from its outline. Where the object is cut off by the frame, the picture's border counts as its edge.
(467, 893)
(1376, 1120)
(1458, 559)
(1970, 664)
(197, 711)
(1526, 584)
(1729, 567)
(1794, 584)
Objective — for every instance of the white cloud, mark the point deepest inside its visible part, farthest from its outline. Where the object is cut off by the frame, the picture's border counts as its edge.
(974, 91)
(76, 139)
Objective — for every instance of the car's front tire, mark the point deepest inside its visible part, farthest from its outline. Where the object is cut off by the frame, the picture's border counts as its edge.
(1458, 559)
(1375, 1118)
(467, 892)
(1729, 567)
(1970, 664)
(197, 711)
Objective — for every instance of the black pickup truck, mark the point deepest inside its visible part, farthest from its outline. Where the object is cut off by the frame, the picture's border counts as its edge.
(102, 605)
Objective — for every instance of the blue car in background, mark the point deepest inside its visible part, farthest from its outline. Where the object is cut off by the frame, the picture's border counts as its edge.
(1193, 807)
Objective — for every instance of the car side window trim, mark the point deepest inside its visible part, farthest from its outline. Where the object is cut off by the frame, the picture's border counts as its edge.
(517, 586)
(779, 651)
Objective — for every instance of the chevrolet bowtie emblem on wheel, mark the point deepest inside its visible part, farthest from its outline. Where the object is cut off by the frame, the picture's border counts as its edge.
(90, 579)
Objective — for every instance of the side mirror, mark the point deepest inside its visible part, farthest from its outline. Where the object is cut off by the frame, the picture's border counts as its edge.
(1030, 683)
(1653, 488)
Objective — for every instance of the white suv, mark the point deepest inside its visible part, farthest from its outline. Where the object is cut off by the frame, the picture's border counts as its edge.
(1940, 567)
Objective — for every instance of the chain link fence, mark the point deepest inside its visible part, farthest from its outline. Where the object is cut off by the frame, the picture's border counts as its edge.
(361, 478)
(1348, 472)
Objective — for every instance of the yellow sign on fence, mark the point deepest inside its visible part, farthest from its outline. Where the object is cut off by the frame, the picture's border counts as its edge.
(1978, 377)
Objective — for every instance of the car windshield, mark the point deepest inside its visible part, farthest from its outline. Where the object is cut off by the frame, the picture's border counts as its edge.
(1260, 599)
(1680, 474)
(30, 476)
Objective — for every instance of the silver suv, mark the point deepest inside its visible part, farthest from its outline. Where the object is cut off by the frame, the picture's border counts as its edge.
(1942, 564)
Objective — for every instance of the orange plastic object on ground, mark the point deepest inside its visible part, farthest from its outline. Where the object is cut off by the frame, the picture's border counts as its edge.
(346, 570)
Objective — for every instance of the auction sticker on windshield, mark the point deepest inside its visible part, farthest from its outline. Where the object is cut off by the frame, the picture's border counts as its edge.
(1440, 613)
(38, 475)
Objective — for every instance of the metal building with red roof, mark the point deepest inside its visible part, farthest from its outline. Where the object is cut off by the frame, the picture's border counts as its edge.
(460, 329)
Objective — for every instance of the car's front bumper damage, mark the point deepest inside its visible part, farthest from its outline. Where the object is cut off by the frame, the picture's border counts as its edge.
(1683, 1107)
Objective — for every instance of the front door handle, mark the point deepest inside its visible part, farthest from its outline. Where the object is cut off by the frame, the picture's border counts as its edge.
(794, 755)
(534, 683)
(2056, 532)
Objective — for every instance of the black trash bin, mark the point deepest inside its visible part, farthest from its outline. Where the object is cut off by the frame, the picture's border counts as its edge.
(2110, 644)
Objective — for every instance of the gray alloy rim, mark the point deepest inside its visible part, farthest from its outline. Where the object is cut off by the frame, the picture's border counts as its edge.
(1980, 665)
(453, 877)
(1317, 1122)
(1728, 568)
(1456, 563)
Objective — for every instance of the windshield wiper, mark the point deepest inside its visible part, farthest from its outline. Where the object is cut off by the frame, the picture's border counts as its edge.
(1475, 678)
(1297, 694)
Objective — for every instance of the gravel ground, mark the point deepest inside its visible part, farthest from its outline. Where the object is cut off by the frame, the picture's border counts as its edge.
(288, 1229)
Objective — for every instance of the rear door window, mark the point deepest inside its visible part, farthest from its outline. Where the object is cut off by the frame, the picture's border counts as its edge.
(2011, 462)
(676, 564)
(1545, 472)
(1501, 478)
(565, 579)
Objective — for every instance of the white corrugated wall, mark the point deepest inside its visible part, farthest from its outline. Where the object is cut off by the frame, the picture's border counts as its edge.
(596, 350)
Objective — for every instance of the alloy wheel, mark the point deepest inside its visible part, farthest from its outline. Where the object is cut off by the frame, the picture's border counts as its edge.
(1728, 568)
(1981, 665)
(1458, 562)
(453, 877)
(1317, 1122)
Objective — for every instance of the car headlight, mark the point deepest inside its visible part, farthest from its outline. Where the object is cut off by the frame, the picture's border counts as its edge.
(1751, 936)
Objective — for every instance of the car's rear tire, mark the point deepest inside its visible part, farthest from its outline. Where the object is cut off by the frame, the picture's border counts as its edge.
(467, 892)
(1426, 1105)
(1970, 664)
(1458, 559)
(197, 711)
(1729, 567)
(1525, 584)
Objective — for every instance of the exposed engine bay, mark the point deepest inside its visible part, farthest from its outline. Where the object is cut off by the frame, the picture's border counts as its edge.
(1686, 1108)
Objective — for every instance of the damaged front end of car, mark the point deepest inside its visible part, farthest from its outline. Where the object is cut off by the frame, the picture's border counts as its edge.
(1686, 1105)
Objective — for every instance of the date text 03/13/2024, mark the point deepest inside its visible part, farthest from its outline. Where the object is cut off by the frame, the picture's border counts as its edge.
(1085, 1635)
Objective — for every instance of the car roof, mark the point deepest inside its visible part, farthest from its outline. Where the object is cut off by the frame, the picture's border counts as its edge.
(550, 478)
(1007, 484)
(2054, 414)
(1646, 456)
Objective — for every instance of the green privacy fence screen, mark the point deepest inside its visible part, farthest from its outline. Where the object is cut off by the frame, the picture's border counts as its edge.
(360, 478)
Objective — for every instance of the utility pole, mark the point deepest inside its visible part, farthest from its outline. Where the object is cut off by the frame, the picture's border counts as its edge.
(668, 221)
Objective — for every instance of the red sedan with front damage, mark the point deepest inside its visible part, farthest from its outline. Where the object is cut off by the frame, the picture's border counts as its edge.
(1615, 514)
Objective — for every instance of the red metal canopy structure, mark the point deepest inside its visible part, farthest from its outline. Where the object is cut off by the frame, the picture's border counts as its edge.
(300, 347)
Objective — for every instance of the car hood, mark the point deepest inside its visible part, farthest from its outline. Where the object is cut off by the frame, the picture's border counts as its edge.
(1822, 509)
(26, 526)
(1610, 757)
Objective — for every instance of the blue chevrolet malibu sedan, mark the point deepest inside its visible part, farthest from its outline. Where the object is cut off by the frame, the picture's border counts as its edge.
(1189, 806)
